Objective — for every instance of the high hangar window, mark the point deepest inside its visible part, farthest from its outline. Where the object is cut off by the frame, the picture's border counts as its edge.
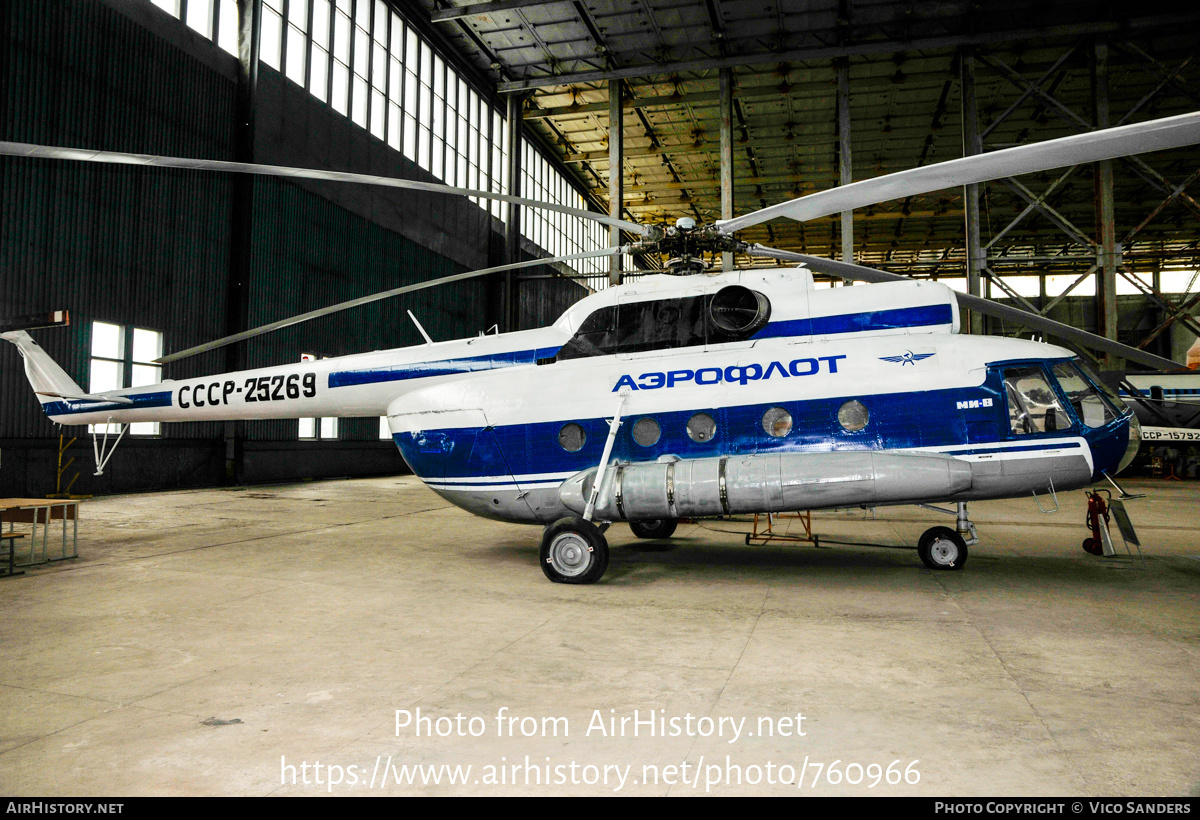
(363, 60)
(324, 429)
(124, 357)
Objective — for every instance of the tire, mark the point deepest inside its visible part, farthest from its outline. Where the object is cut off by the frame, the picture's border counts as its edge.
(573, 552)
(655, 528)
(941, 548)
(1092, 546)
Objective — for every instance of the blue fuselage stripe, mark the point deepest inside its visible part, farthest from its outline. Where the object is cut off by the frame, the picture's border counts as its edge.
(76, 407)
(446, 367)
(817, 326)
(920, 420)
(893, 319)
(1057, 445)
(1167, 391)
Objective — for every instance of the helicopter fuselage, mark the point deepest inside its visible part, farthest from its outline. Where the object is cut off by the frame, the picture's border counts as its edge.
(869, 397)
(740, 392)
(779, 414)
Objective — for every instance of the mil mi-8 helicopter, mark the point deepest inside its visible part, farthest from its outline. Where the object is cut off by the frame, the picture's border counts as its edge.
(690, 395)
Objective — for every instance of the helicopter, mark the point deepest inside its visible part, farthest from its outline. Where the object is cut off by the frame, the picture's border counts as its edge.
(692, 394)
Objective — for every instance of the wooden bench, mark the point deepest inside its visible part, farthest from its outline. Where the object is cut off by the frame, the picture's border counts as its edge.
(9, 568)
(40, 512)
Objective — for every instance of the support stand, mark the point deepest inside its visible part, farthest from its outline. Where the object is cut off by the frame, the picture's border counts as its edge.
(768, 533)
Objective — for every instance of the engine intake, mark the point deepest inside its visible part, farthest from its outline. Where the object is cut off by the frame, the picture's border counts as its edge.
(739, 312)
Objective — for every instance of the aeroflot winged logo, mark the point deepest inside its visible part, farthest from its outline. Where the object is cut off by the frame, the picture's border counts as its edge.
(736, 373)
(908, 358)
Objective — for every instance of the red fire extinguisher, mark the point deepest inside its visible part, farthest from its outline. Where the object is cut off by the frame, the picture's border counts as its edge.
(1097, 509)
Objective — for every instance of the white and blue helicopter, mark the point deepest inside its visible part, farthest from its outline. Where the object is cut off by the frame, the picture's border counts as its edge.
(692, 395)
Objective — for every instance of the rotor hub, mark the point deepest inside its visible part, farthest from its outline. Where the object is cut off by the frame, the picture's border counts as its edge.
(686, 244)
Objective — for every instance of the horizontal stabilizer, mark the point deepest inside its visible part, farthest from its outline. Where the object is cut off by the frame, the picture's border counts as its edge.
(85, 397)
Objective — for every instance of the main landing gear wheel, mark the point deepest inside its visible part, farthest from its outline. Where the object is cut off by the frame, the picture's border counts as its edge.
(573, 552)
(656, 528)
(942, 548)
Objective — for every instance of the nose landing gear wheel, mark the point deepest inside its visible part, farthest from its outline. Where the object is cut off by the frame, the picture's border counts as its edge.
(573, 552)
(657, 528)
(942, 548)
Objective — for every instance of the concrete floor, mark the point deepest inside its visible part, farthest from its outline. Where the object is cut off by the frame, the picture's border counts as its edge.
(206, 641)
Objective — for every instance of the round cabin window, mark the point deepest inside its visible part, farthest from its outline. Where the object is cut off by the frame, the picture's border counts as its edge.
(853, 416)
(701, 427)
(572, 437)
(777, 422)
(646, 432)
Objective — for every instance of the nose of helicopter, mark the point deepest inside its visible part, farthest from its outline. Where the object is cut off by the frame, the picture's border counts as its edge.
(1135, 440)
(1114, 445)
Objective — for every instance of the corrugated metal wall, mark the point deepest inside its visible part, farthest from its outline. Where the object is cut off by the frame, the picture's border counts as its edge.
(309, 253)
(151, 248)
(540, 301)
(110, 243)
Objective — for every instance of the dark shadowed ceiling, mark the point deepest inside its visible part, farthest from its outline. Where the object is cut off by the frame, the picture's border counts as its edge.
(1035, 69)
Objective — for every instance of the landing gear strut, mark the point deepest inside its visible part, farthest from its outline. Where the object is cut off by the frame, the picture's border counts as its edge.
(573, 551)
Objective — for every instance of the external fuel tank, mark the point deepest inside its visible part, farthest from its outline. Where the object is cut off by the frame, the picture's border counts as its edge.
(771, 482)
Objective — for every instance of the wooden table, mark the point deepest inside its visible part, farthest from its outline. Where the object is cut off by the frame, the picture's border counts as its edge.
(8, 568)
(42, 511)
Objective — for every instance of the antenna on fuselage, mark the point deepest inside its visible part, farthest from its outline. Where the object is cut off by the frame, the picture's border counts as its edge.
(420, 329)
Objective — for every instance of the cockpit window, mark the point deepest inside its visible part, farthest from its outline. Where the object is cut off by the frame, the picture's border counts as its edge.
(1106, 392)
(1032, 404)
(1089, 405)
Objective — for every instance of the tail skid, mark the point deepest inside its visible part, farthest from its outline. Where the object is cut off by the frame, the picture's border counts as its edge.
(102, 449)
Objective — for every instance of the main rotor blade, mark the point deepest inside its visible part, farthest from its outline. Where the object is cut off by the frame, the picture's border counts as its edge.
(860, 273)
(1109, 143)
(1071, 334)
(375, 297)
(22, 149)
(855, 273)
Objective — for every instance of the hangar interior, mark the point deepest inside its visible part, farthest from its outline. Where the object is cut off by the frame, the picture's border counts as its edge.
(228, 618)
(710, 109)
